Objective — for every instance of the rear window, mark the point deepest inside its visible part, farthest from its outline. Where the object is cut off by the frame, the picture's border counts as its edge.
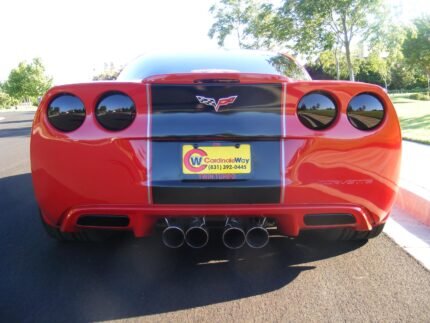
(243, 61)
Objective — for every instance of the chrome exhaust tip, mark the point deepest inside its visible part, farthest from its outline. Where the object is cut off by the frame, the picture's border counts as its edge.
(173, 237)
(257, 237)
(197, 237)
(233, 236)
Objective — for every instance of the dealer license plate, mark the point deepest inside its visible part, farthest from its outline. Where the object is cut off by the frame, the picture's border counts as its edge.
(216, 159)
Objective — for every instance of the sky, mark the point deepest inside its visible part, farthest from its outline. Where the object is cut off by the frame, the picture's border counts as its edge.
(75, 38)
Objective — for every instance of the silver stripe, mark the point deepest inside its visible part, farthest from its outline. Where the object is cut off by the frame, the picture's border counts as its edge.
(283, 170)
(148, 143)
(284, 134)
(284, 111)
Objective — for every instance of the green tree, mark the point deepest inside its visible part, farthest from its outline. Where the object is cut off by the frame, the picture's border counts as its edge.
(386, 49)
(110, 72)
(237, 17)
(330, 64)
(334, 64)
(373, 69)
(416, 47)
(6, 101)
(406, 77)
(28, 81)
(305, 26)
(329, 24)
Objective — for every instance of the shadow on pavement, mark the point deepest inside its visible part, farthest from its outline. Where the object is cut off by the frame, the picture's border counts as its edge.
(15, 132)
(16, 121)
(44, 280)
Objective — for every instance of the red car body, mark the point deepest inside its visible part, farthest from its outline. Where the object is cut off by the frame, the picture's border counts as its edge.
(340, 170)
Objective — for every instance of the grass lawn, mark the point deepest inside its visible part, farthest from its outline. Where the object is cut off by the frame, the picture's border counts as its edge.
(414, 118)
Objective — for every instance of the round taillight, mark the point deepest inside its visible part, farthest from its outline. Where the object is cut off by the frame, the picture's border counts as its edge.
(317, 110)
(365, 111)
(115, 111)
(66, 112)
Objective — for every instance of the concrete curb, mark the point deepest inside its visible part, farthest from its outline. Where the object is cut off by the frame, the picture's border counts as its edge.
(415, 201)
(30, 109)
(410, 234)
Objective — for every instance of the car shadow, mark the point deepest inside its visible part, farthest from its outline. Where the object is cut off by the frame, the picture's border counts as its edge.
(30, 120)
(15, 132)
(44, 280)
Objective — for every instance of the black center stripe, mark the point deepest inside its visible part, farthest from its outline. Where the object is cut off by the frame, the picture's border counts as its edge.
(179, 117)
(170, 186)
(177, 112)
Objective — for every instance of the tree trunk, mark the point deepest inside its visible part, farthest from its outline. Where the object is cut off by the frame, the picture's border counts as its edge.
(239, 23)
(337, 64)
(346, 41)
(239, 38)
(428, 83)
(348, 61)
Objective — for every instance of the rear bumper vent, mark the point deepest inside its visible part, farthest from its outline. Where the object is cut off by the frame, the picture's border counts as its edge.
(329, 219)
(104, 221)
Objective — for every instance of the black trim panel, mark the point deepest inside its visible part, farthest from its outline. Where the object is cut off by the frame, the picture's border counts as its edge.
(216, 195)
(170, 186)
(104, 220)
(329, 219)
(177, 112)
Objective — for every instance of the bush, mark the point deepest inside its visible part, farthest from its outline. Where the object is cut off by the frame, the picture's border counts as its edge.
(419, 96)
(411, 90)
(35, 101)
(7, 101)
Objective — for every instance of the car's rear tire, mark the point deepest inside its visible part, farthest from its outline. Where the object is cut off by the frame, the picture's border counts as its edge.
(341, 234)
(82, 236)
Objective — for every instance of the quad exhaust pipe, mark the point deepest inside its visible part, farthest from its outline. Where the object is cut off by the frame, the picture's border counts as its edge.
(173, 236)
(257, 237)
(197, 235)
(234, 235)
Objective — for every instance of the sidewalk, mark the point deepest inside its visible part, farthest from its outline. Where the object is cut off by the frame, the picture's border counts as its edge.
(414, 193)
(409, 223)
(19, 109)
(410, 235)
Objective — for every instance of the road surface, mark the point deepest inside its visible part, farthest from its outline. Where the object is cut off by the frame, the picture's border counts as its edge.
(45, 281)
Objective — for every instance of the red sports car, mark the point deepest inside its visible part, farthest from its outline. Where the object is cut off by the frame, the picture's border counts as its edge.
(238, 142)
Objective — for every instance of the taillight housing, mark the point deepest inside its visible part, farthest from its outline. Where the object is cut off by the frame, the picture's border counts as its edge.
(317, 110)
(365, 111)
(66, 112)
(115, 111)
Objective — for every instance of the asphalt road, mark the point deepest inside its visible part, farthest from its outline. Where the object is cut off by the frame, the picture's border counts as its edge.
(45, 281)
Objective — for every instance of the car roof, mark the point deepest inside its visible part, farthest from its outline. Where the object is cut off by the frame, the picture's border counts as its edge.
(233, 61)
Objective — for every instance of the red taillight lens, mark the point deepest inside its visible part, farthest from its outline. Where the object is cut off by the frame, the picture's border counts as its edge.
(365, 111)
(115, 111)
(66, 112)
(317, 110)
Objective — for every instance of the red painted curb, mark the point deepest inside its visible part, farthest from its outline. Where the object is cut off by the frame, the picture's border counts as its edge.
(415, 204)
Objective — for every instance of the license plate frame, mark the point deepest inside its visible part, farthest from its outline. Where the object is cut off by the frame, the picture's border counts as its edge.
(217, 162)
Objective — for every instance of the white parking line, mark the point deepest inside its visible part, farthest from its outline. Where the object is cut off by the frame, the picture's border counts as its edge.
(411, 235)
(2, 118)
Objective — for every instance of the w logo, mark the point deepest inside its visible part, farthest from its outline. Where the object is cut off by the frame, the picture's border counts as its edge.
(196, 161)
(193, 160)
(221, 102)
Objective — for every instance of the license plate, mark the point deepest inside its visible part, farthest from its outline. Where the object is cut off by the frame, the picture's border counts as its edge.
(216, 159)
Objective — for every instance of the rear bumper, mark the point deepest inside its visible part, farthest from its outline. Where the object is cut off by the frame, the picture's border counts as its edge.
(92, 171)
(290, 219)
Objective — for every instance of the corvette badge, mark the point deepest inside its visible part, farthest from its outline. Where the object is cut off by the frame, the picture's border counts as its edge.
(221, 102)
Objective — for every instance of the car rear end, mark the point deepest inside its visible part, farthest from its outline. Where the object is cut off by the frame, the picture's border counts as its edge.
(246, 153)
